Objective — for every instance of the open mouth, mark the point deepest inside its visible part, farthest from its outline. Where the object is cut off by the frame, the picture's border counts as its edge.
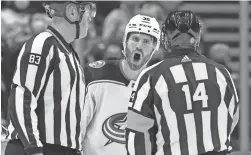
(136, 57)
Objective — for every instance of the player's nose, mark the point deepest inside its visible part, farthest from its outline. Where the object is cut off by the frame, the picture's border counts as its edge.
(139, 45)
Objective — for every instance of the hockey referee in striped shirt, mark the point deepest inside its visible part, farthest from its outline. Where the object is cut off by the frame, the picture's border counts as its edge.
(186, 104)
(45, 104)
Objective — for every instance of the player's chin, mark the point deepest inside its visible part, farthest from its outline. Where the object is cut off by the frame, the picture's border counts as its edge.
(136, 65)
(136, 62)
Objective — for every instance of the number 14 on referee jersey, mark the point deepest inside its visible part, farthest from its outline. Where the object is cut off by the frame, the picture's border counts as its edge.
(199, 95)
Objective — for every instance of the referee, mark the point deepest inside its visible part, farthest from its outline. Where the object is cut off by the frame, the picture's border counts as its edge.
(45, 104)
(185, 104)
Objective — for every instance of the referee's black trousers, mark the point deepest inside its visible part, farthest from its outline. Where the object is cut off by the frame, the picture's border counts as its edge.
(15, 147)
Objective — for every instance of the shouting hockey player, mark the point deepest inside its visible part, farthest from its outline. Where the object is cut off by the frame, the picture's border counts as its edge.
(109, 85)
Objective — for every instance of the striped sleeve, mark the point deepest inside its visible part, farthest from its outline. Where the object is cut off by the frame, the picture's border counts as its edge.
(28, 80)
(234, 103)
(141, 117)
(140, 120)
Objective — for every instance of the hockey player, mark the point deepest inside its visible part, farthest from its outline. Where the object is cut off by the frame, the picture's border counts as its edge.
(109, 85)
(185, 104)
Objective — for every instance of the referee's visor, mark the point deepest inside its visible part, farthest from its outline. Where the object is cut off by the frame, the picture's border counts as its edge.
(88, 6)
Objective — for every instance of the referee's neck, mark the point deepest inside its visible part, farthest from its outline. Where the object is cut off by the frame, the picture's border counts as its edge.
(66, 30)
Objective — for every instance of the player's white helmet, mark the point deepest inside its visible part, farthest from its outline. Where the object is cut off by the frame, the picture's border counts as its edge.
(142, 24)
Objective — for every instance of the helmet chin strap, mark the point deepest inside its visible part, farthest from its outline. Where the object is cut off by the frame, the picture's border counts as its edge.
(77, 23)
(77, 29)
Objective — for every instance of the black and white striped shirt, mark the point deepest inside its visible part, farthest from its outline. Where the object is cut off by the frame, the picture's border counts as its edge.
(45, 104)
(184, 105)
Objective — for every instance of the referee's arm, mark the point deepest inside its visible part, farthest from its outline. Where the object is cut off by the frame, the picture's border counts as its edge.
(234, 108)
(140, 118)
(29, 78)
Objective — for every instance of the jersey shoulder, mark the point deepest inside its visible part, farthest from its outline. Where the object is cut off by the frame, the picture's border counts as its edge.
(42, 38)
(155, 71)
(39, 45)
(219, 66)
(150, 71)
(104, 70)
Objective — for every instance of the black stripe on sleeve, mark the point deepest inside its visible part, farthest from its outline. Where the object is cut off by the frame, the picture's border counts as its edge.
(126, 139)
(27, 117)
(139, 140)
(25, 61)
(42, 65)
(227, 99)
(24, 64)
(67, 113)
(41, 106)
(142, 81)
(13, 117)
(230, 83)
(77, 107)
(140, 147)
(147, 110)
(57, 101)
(214, 100)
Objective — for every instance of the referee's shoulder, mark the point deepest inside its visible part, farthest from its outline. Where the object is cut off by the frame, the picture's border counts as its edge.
(212, 63)
(152, 71)
(41, 41)
(220, 67)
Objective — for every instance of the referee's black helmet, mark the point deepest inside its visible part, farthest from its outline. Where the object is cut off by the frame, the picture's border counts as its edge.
(181, 28)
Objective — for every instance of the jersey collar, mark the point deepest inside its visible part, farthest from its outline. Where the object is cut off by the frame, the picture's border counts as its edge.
(68, 47)
(182, 51)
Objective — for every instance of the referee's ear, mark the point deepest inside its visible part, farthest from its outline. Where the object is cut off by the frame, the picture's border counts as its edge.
(72, 12)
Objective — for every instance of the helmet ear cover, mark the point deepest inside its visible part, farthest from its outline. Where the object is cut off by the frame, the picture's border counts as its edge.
(58, 8)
